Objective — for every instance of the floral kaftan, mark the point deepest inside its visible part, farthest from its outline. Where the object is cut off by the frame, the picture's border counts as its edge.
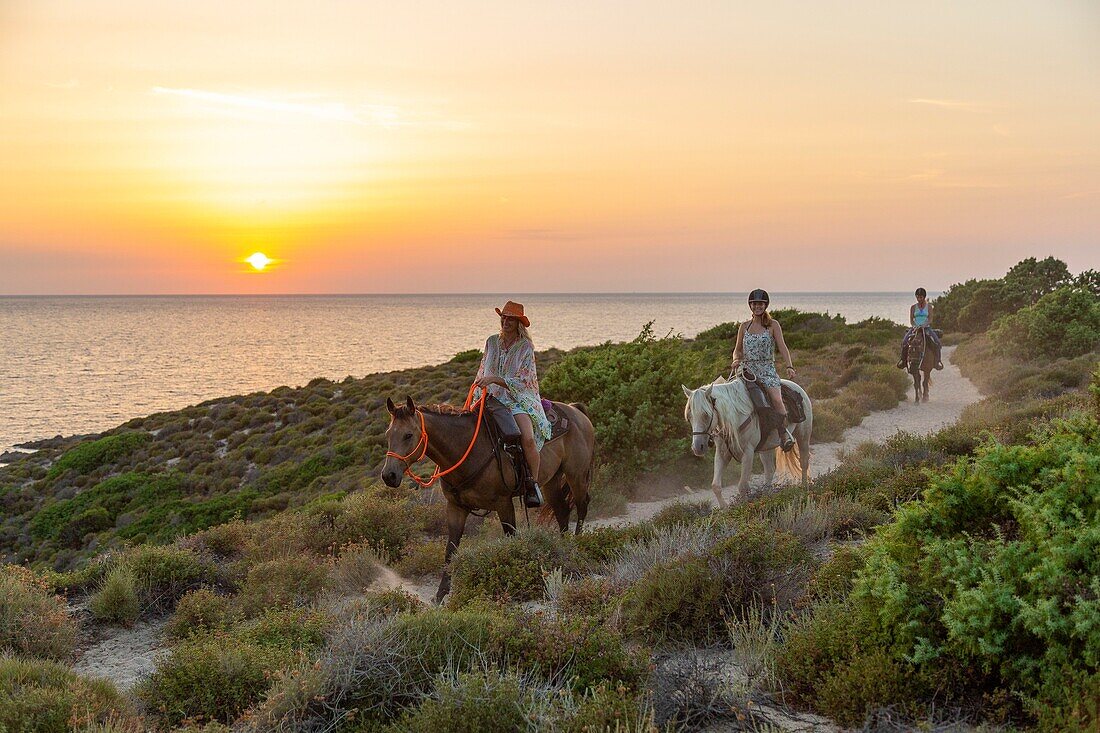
(516, 366)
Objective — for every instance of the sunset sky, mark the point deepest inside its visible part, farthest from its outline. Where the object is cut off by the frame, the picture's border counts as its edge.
(149, 147)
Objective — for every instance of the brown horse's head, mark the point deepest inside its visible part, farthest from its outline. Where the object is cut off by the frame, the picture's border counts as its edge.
(404, 441)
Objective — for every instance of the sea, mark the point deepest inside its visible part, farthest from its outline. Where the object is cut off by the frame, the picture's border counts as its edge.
(82, 364)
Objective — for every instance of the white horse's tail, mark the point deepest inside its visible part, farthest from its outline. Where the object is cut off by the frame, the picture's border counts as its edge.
(788, 465)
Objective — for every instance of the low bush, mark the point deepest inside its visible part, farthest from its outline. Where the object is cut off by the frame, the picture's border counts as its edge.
(681, 513)
(675, 601)
(509, 568)
(282, 583)
(200, 612)
(87, 457)
(422, 559)
(164, 574)
(471, 702)
(227, 541)
(834, 577)
(33, 621)
(291, 630)
(212, 678)
(983, 590)
(1062, 323)
(385, 604)
(47, 697)
(118, 599)
(597, 547)
(356, 568)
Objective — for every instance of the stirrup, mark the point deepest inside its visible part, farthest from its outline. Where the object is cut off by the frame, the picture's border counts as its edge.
(532, 498)
(900, 364)
(786, 440)
(939, 365)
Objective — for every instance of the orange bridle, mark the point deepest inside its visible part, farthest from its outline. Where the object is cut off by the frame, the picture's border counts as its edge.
(422, 444)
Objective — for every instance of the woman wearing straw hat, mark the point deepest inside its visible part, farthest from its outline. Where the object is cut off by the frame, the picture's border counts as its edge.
(508, 373)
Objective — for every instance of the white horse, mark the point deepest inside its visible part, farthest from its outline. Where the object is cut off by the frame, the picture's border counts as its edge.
(723, 410)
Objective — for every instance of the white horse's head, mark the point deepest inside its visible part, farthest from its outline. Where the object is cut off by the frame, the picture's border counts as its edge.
(700, 414)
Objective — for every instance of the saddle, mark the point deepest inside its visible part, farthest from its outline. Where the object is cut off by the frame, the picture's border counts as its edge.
(504, 433)
(769, 418)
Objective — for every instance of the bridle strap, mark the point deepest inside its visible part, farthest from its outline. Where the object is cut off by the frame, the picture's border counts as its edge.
(437, 474)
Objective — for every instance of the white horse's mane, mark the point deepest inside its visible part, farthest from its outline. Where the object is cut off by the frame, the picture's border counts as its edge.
(731, 402)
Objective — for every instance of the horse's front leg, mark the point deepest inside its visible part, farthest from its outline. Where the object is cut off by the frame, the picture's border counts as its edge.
(456, 525)
(746, 474)
(916, 386)
(722, 458)
(927, 381)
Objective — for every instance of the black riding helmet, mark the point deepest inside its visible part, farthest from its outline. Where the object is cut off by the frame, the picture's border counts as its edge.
(921, 293)
(759, 295)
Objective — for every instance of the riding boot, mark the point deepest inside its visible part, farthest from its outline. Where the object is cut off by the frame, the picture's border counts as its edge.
(939, 357)
(902, 362)
(786, 440)
(532, 497)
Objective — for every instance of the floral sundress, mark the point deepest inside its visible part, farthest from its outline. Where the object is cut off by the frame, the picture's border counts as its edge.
(516, 366)
(759, 351)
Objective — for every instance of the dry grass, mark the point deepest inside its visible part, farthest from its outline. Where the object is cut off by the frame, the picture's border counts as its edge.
(356, 568)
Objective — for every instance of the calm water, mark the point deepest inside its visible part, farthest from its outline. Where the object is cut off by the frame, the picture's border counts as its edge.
(85, 364)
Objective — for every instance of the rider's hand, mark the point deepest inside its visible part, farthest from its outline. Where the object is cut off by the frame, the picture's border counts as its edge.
(790, 370)
(488, 380)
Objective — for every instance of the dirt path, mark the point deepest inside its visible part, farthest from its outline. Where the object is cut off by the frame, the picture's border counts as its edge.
(950, 393)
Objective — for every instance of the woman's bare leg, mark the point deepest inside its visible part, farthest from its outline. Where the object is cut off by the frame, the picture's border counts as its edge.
(530, 451)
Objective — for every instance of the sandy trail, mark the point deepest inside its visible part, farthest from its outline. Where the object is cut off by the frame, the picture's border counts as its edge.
(949, 392)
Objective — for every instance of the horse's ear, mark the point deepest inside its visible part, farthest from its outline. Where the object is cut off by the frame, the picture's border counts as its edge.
(707, 389)
(687, 392)
(409, 403)
(390, 406)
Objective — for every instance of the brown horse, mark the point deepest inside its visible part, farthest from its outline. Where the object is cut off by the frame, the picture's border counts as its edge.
(486, 479)
(922, 357)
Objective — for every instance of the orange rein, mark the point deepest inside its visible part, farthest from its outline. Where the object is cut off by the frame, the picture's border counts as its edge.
(437, 474)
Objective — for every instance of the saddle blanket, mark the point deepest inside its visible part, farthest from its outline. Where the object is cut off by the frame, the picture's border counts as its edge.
(559, 424)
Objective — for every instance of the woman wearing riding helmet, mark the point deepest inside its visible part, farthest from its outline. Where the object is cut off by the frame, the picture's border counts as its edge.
(757, 341)
(920, 314)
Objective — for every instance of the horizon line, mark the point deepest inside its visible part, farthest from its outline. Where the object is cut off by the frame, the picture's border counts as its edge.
(442, 293)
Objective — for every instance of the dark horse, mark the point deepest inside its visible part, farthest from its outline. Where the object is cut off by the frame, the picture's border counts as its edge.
(922, 357)
(486, 480)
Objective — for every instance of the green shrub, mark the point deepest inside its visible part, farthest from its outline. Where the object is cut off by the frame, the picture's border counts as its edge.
(633, 396)
(833, 579)
(33, 621)
(166, 573)
(601, 545)
(577, 652)
(610, 708)
(212, 678)
(473, 702)
(871, 680)
(384, 604)
(357, 567)
(118, 599)
(38, 696)
(1062, 323)
(986, 589)
(422, 559)
(760, 562)
(87, 457)
(678, 600)
(201, 612)
(283, 583)
(291, 630)
(681, 513)
(509, 568)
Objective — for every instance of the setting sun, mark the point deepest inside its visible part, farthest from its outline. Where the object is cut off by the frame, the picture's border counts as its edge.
(259, 261)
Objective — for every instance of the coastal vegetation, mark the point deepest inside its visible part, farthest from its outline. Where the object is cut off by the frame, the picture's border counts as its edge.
(927, 581)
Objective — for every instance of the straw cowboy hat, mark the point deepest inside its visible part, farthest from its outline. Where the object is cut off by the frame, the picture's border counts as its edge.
(515, 310)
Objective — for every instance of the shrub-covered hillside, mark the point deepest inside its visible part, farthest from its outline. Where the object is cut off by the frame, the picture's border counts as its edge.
(163, 476)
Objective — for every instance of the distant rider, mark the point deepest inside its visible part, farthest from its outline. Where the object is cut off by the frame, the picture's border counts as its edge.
(757, 340)
(508, 373)
(920, 314)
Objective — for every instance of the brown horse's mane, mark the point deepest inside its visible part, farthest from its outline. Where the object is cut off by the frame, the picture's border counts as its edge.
(439, 409)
